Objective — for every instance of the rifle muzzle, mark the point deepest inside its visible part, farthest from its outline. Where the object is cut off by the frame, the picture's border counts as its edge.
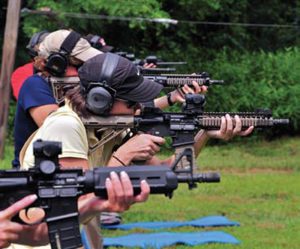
(281, 122)
(216, 82)
(209, 177)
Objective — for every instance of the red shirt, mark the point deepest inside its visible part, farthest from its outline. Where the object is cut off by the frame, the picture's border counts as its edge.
(19, 76)
(22, 73)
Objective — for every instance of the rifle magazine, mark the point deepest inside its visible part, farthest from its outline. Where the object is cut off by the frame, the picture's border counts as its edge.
(64, 231)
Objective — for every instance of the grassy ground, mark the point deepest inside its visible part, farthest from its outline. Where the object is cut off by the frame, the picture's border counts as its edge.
(259, 188)
(8, 156)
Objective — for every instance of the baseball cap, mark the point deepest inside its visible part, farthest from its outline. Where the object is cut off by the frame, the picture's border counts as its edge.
(99, 43)
(53, 41)
(35, 40)
(125, 80)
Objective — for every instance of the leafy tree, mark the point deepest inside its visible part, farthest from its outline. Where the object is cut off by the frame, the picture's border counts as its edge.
(3, 5)
(260, 62)
(182, 36)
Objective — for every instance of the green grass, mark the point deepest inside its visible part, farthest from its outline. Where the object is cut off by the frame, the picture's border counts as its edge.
(265, 204)
(5, 163)
(281, 154)
(259, 188)
(249, 154)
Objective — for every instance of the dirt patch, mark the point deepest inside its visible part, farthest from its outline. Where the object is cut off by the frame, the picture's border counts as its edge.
(256, 171)
(270, 226)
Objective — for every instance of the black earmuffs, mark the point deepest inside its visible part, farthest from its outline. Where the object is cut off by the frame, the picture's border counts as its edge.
(58, 62)
(99, 95)
(94, 41)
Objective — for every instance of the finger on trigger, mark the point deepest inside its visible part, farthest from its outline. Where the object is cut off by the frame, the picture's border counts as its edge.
(18, 206)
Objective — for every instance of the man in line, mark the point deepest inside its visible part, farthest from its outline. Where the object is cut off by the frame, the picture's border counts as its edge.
(20, 74)
(36, 99)
(23, 72)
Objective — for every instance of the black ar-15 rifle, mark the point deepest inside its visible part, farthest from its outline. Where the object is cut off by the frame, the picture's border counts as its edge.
(181, 126)
(58, 189)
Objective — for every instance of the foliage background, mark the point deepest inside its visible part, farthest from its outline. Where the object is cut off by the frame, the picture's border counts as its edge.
(259, 185)
(259, 64)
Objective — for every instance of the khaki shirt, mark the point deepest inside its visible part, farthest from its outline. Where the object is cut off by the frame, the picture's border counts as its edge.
(65, 126)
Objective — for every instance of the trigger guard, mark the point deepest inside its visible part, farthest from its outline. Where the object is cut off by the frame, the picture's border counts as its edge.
(17, 219)
(26, 216)
(11, 198)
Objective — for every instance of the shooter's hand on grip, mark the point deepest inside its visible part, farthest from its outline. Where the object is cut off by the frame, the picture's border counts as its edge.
(140, 147)
(12, 232)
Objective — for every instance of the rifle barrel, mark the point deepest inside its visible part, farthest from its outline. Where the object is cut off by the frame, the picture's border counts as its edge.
(157, 70)
(161, 63)
(13, 183)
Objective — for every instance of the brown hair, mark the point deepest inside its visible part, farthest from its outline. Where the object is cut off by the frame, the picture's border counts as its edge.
(78, 102)
(39, 63)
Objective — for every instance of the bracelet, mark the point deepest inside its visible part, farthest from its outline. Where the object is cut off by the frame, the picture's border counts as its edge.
(169, 99)
(119, 160)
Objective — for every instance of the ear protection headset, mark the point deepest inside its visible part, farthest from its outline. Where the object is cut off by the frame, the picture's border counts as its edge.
(35, 39)
(57, 62)
(94, 41)
(99, 95)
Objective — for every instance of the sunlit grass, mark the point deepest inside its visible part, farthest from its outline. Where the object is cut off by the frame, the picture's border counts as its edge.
(249, 154)
(267, 205)
(5, 163)
(259, 188)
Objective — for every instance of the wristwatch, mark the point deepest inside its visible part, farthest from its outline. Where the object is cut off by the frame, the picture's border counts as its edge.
(169, 99)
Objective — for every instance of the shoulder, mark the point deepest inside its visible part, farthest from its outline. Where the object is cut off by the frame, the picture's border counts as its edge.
(67, 121)
(64, 120)
(67, 128)
(34, 80)
(35, 92)
(35, 84)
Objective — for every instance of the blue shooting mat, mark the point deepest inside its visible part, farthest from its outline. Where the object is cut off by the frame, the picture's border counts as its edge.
(209, 221)
(159, 240)
(84, 240)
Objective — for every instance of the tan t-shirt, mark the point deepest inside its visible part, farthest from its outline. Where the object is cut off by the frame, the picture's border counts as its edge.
(64, 126)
